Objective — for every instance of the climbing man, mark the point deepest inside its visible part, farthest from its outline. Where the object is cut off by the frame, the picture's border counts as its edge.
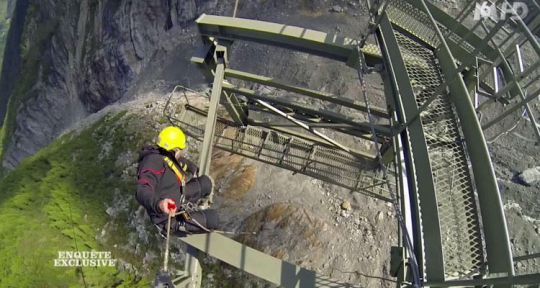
(168, 184)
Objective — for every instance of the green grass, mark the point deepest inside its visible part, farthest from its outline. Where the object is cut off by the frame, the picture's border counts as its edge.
(56, 201)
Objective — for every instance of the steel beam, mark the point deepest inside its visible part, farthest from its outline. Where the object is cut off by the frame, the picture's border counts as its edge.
(339, 127)
(306, 127)
(508, 74)
(384, 130)
(526, 257)
(507, 53)
(206, 149)
(518, 78)
(419, 168)
(261, 265)
(279, 128)
(268, 81)
(286, 36)
(203, 59)
(480, 47)
(192, 262)
(308, 172)
(509, 111)
(234, 108)
(461, 30)
(498, 249)
(526, 36)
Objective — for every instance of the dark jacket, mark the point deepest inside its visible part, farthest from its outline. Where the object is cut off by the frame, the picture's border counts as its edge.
(157, 181)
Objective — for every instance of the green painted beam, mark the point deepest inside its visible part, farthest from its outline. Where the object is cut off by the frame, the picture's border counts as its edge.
(306, 127)
(286, 36)
(203, 60)
(526, 257)
(339, 127)
(261, 265)
(458, 28)
(269, 81)
(508, 74)
(518, 78)
(278, 128)
(428, 237)
(511, 110)
(469, 62)
(234, 108)
(384, 130)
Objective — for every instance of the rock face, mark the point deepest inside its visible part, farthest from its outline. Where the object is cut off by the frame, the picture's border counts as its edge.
(77, 57)
(11, 64)
(80, 56)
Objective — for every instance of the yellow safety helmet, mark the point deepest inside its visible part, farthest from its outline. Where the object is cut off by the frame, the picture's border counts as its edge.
(171, 137)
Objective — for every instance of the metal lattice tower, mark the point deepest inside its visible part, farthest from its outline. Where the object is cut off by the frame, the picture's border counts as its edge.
(441, 69)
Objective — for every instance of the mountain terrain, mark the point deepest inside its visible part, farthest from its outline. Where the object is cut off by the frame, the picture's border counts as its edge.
(83, 88)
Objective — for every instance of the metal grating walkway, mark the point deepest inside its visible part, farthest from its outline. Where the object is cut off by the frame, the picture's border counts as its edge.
(458, 216)
(298, 155)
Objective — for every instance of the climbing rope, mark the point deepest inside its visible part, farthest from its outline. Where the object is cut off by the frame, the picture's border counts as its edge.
(393, 198)
(505, 132)
(166, 258)
(361, 70)
(235, 8)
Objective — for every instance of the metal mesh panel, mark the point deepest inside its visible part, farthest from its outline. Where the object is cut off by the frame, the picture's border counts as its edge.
(325, 163)
(457, 211)
(334, 164)
(231, 138)
(252, 142)
(274, 148)
(370, 49)
(417, 23)
(413, 21)
(457, 39)
(298, 155)
(192, 123)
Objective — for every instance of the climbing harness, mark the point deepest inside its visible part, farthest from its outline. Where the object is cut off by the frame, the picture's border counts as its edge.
(186, 209)
(181, 177)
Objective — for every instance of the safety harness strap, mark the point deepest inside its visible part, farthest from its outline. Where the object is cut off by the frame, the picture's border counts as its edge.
(179, 175)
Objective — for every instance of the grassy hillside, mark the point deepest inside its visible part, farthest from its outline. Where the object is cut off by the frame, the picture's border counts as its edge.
(56, 201)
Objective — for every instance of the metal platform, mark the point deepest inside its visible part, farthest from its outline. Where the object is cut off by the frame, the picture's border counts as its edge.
(290, 152)
(455, 202)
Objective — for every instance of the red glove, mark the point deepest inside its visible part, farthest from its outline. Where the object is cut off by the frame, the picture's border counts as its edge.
(168, 206)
